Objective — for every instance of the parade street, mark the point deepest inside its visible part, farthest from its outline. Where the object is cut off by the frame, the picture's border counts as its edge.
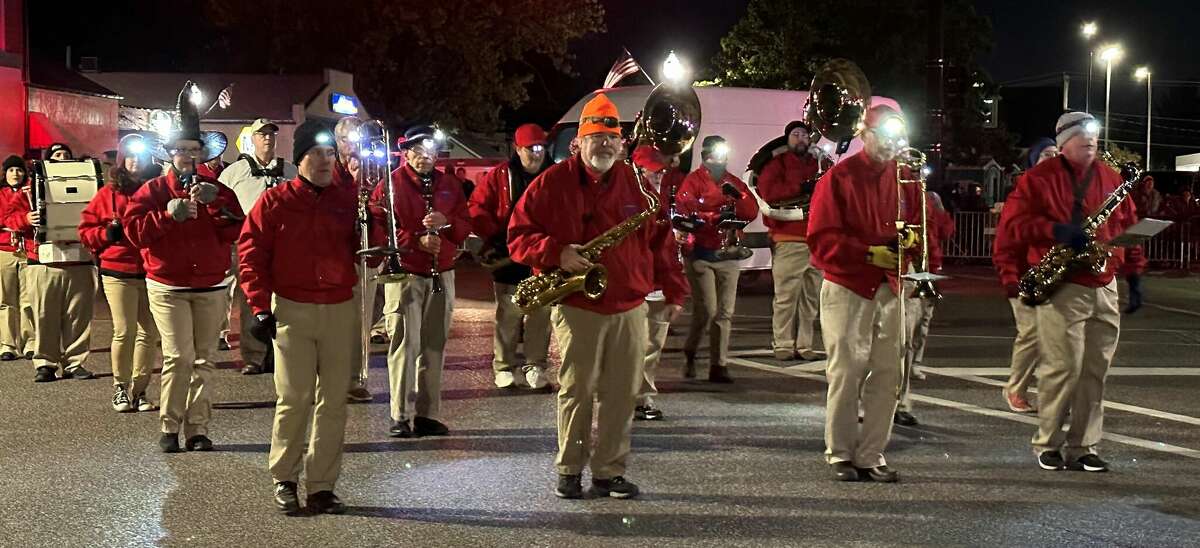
(736, 464)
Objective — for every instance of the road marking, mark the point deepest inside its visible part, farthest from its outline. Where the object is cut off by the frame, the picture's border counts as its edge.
(1112, 371)
(1007, 415)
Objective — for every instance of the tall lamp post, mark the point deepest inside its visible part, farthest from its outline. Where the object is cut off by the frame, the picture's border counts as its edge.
(1143, 73)
(1089, 30)
(1109, 54)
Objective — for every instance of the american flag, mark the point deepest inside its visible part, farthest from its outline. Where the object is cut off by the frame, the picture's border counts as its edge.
(225, 98)
(624, 66)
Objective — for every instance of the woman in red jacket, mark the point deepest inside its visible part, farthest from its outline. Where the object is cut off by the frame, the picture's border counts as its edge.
(16, 331)
(123, 276)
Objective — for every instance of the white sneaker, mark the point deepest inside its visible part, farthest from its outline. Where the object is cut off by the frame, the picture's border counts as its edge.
(535, 377)
(917, 373)
(144, 404)
(120, 400)
(505, 379)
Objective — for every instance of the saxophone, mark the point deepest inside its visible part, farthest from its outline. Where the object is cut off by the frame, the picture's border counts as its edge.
(1041, 281)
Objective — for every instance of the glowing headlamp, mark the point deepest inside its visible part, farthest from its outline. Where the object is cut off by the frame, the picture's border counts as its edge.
(195, 96)
(323, 139)
(892, 127)
(439, 135)
(1092, 126)
(537, 149)
(136, 147)
(720, 151)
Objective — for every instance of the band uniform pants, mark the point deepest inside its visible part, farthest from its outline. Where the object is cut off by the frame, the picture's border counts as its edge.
(602, 357)
(509, 319)
(188, 322)
(862, 338)
(1082, 325)
(797, 294)
(1025, 348)
(16, 328)
(918, 314)
(313, 347)
(416, 352)
(135, 337)
(658, 322)
(714, 295)
(61, 299)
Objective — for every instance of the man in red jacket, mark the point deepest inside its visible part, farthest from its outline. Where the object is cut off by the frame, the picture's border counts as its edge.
(135, 337)
(852, 231)
(184, 225)
(713, 195)
(491, 206)
(603, 341)
(431, 222)
(797, 281)
(1080, 322)
(16, 326)
(297, 267)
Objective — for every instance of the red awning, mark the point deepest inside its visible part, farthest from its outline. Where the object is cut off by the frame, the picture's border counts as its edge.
(42, 132)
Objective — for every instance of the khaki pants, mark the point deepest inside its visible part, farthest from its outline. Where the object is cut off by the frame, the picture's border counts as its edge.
(363, 313)
(312, 374)
(714, 295)
(509, 319)
(1025, 348)
(602, 356)
(797, 293)
(61, 301)
(188, 322)
(135, 337)
(1077, 345)
(16, 329)
(416, 353)
(918, 313)
(862, 339)
(657, 324)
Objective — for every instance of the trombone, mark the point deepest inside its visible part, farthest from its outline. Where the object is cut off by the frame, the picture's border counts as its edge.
(911, 170)
(375, 167)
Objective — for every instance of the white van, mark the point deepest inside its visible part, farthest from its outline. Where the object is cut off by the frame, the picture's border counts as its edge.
(746, 117)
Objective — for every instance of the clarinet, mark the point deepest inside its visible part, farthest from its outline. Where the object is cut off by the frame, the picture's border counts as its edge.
(427, 194)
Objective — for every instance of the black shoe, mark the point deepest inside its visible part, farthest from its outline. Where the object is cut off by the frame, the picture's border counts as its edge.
(253, 369)
(844, 471)
(401, 429)
(379, 338)
(882, 474)
(425, 426)
(169, 443)
(1051, 460)
(570, 486)
(904, 418)
(44, 374)
(1089, 463)
(223, 344)
(647, 413)
(324, 502)
(689, 366)
(199, 443)
(29, 355)
(286, 500)
(79, 373)
(616, 488)
(719, 374)
(7, 356)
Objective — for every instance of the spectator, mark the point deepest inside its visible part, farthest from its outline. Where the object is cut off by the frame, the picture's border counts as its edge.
(58, 152)
(1148, 199)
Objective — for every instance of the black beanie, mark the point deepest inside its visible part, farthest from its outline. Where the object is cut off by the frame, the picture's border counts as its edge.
(310, 134)
(795, 124)
(57, 147)
(14, 161)
(707, 145)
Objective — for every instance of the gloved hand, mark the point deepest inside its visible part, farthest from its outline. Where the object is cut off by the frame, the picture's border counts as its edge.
(1012, 291)
(262, 327)
(114, 232)
(204, 193)
(883, 257)
(909, 238)
(732, 191)
(1135, 293)
(1070, 235)
(179, 209)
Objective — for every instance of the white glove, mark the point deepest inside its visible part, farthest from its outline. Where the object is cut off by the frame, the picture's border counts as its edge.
(178, 209)
(204, 193)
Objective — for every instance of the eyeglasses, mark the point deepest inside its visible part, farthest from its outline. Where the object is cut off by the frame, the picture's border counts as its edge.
(606, 121)
(422, 150)
(193, 151)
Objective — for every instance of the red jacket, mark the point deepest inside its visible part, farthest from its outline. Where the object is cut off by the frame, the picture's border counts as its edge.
(566, 205)
(194, 253)
(702, 196)
(941, 230)
(781, 179)
(853, 208)
(204, 171)
(1046, 197)
(492, 202)
(1008, 252)
(7, 192)
(410, 210)
(300, 244)
(121, 256)
(14, 216)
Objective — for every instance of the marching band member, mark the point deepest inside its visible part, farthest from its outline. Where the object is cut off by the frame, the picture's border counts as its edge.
(185, 224)
(16, 328)
(248, 178)
(852, 230)
(135, 337)
(58, 152)
(297, 268)
(1078, 326)
(431, 222)
(1010, 264)
(491, 206)
(797, 280)
(603, 341)
(713, 195)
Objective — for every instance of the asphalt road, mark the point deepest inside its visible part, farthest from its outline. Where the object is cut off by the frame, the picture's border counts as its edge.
(732, 465)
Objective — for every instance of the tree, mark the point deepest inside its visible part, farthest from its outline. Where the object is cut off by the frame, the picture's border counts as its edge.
(1122, 156)
(455, 63)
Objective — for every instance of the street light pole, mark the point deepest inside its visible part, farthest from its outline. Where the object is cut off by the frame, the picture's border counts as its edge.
(1140, 73)
(1107, 94)
(1089, 30)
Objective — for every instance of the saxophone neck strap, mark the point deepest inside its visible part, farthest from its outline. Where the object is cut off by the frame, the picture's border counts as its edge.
(1080, 184)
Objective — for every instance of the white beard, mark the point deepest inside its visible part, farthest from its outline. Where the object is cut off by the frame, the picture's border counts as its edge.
(601, 165)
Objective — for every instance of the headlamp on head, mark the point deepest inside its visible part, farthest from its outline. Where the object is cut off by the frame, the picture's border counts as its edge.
(892, 128)
(439, 135)
(537, 149)
(1092, 127)
(323, 138)
(720, 152)
(135, 147)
